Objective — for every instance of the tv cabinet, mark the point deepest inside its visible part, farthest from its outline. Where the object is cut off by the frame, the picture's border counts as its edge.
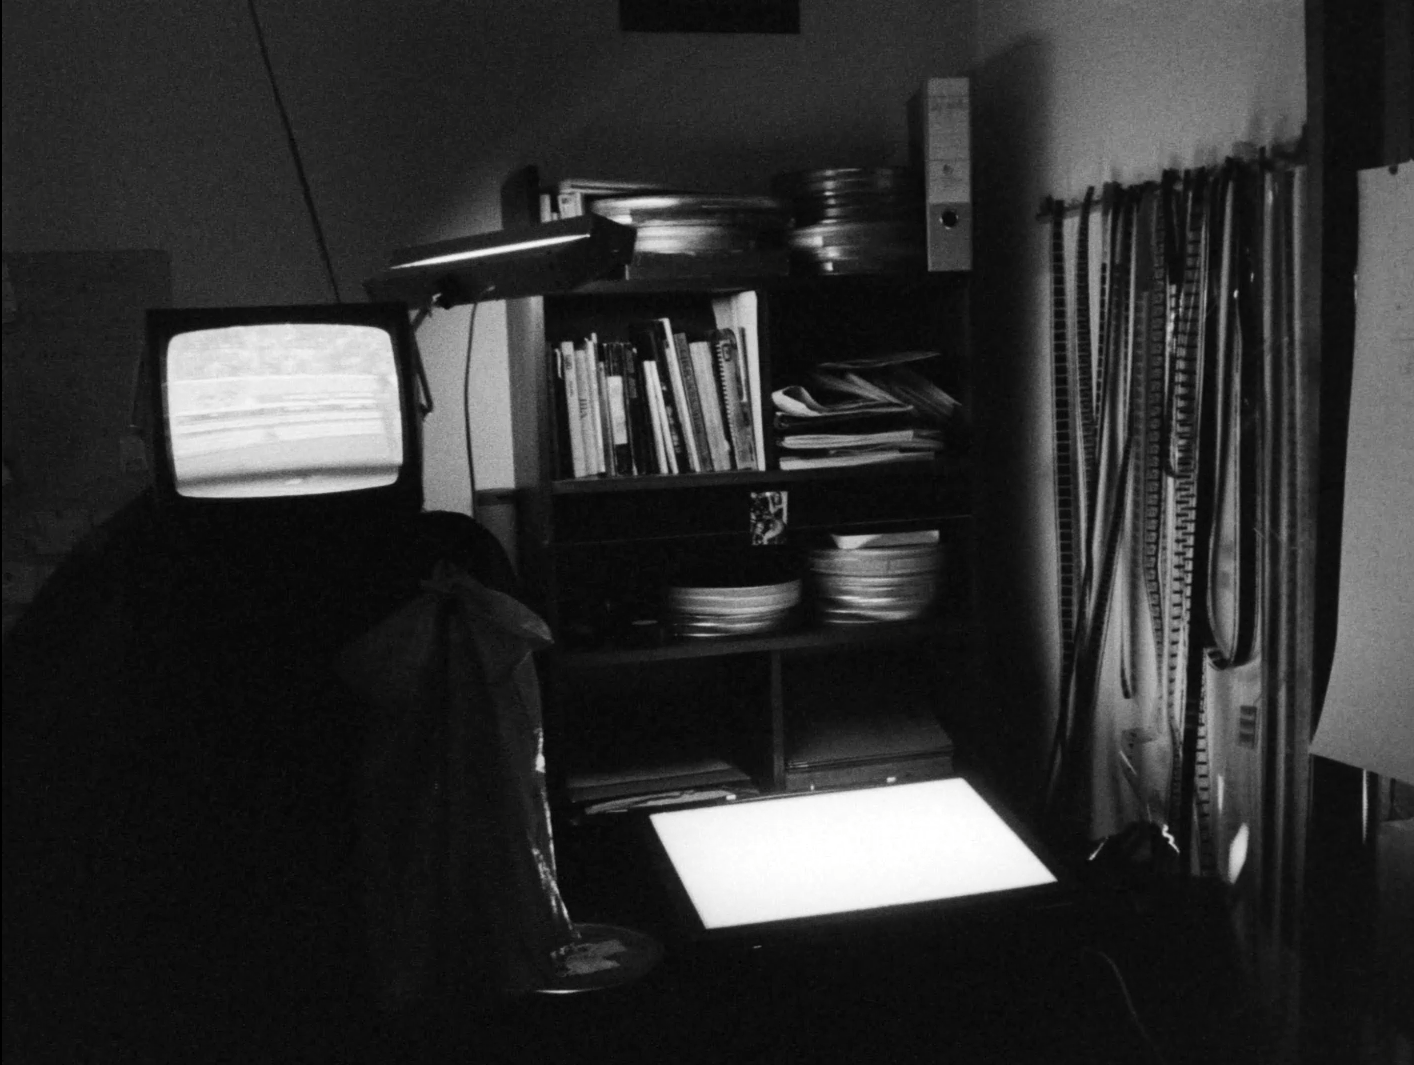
(631, 711)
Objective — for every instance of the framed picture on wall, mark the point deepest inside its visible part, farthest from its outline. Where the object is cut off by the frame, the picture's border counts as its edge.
(709, 16)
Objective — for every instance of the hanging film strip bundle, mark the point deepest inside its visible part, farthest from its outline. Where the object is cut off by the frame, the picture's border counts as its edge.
(1164, 414)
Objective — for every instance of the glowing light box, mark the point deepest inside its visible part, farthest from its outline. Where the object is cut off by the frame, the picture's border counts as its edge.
(840, 852)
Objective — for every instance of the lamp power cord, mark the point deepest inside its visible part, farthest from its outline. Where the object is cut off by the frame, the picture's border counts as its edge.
(295, 154)
(1128, 1002)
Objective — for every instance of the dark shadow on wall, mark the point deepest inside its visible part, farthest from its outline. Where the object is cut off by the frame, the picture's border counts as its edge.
(1013, 492)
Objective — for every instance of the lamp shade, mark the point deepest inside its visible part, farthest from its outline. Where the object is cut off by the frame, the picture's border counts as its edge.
(525, 261)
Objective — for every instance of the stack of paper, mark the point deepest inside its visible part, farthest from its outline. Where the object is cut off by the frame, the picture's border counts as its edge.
(862, 411)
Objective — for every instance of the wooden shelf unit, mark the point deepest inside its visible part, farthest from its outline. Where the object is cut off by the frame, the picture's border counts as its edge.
(807, 706)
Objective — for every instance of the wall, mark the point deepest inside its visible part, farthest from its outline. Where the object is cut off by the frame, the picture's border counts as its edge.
(151, 125)
(1068, 95)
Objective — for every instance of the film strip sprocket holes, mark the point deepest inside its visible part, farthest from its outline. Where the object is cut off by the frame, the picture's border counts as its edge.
(1194, 416)
(1064, 476)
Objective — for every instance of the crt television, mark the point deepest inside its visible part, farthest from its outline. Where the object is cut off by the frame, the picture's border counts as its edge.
(290, 409)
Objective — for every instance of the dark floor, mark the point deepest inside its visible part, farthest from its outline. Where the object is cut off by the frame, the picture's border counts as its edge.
(1139, 975)
(1013, 986)
(1134, 976)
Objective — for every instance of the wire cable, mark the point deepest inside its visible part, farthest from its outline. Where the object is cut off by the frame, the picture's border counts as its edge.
(1128, 1002)
(294, 152)
(466, 407)
(425, 405)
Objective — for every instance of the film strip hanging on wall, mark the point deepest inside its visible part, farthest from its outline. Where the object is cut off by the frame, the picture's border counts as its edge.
(1160, 438)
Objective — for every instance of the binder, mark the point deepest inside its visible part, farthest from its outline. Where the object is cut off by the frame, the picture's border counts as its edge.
(941, 146)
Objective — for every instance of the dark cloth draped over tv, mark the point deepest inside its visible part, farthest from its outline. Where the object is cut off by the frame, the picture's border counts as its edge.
(183, 772)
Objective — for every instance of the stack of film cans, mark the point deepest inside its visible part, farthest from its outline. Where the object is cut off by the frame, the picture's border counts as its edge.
(734, 611)
(867, 585)
(855, 220)
(699, 224)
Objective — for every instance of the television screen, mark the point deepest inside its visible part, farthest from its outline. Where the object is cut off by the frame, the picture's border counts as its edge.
(283, 408)
(830, 853)
(278, 403)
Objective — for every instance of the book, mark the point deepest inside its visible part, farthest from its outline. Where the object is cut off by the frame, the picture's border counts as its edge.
(740, 311)
(901, 439)
(879, 362)
(672, 425)
(618, 410)
(569, 380)
(667, 347)
(696, 415)
(747, 314)
(797, 401)
(710, 398)
(654, 776)
(610, 186)
(571, 197)
(640, 419)
(589, 410)
(667, 460)
(890, 377)
(606, 419)
(852, 458)
(930, 400)
(872, 421)
(736, 397)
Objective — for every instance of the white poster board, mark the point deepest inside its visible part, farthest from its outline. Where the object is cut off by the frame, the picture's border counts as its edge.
(1368, 719)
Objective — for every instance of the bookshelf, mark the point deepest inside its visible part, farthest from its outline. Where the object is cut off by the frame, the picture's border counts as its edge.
(631, 710)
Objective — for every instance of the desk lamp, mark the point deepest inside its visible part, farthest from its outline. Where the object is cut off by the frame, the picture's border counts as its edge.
(524, 261)
(510, 264)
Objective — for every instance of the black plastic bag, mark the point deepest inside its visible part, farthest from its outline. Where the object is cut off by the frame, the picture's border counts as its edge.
(458, 865)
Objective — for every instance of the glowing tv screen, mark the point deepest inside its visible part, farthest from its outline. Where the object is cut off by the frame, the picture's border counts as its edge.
(842, 852)
(272, 403)
(283, 408)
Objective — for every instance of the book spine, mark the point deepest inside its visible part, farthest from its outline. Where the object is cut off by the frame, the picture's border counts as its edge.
(618, 410)
(748, 315)
(662, 356)
(736, 398)
(605, 416)
(547, 207)
(569, 380)
(667, 461)
(707, 459)
(589, 411)
(668, 345)
(640, 421)
(710, 400)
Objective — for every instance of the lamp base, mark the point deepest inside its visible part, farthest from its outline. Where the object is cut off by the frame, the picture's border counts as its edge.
(603, 956)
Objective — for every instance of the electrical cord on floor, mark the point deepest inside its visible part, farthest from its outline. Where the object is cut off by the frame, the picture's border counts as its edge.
(1128, 1002)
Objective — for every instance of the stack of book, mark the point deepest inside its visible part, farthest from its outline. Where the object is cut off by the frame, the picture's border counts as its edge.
(573, 197)
(682, 233)
(862, 411)
(659, 401)
(691, 234)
